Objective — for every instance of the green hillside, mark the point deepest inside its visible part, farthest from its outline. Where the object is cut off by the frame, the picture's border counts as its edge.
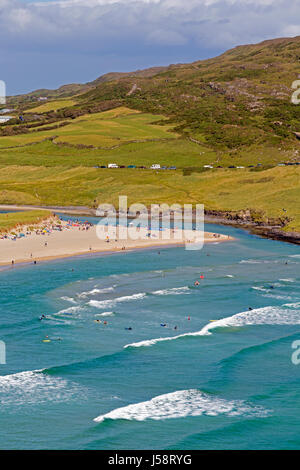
(231, 111)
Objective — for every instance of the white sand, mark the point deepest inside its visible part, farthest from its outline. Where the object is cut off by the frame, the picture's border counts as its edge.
(74, 241)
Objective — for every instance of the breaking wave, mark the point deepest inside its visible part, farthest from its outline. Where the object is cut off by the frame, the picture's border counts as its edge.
(181, 404)
(32, 387)
(259, 316)
(113, 302)
(105, 314)
(173, 291)
(95, 291)
(69, 311)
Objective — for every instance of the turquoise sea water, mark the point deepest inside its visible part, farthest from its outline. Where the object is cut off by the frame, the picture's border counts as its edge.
(231, 385)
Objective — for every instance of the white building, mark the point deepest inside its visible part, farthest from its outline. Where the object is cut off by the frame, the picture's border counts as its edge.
(4, 119)
(4, 111)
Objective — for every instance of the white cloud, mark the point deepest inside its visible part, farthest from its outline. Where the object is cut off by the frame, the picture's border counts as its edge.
(158, 31)
(162, 21)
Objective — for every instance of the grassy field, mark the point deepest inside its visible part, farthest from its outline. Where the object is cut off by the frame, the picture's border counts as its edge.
(266, 193)
(51, 106)
(105, 130)
(179, 152)
(11, 220)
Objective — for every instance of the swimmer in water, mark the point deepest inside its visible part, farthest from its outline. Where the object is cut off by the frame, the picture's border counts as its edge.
(42, 317)
(196, 283)
(250, 308)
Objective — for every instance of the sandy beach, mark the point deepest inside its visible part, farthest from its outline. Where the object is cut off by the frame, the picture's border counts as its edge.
(51, 241)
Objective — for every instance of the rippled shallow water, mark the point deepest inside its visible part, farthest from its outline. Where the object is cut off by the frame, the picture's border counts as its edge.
(223, 379)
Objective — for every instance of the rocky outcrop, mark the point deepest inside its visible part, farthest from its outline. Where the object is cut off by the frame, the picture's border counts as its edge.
(255, 223)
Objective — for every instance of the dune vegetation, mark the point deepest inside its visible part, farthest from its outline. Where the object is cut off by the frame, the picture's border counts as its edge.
(14, 220)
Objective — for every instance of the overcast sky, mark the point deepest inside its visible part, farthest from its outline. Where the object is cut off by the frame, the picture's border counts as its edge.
(45, 44)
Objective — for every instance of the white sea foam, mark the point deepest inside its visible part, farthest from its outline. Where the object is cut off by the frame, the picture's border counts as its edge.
(258, 261)
(113, 302)
(294, 256)
(262, 289)
(69, 311)
(69, 299)
(293, 305)
(278, 297)
(259, 316)
(105, 314)
(250, 261)
(35, 387)
(287, 280)
(95, 291)
(181, 404)
(173, 291)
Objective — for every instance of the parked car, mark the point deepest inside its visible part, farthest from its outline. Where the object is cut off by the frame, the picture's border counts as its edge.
(155, 166)
(172, 168)
(113, 165)
(164, 168)
(231, 166)
(207, 166)
(142, 167)
(122, 166)
(131, 166)
(102, 166)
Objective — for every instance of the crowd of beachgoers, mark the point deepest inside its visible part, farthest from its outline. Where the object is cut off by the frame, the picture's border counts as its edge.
(53, 224)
